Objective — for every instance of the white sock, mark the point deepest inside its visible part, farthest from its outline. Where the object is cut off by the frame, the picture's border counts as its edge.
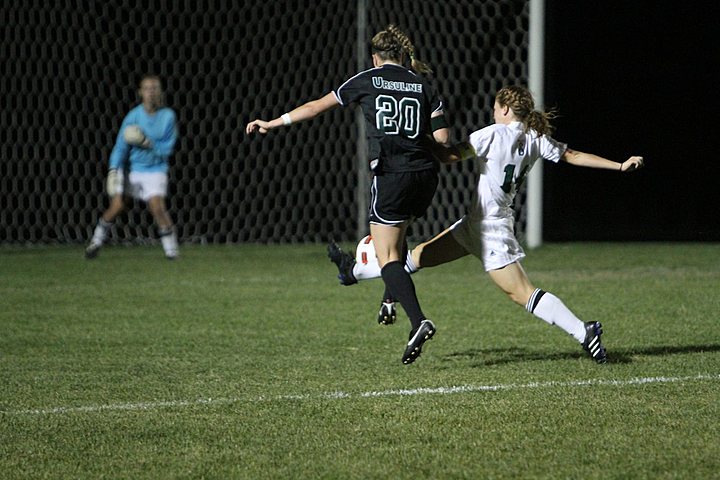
(168, 238)
(100, 232)
(551, 309)
(366, 271)
(410, 265)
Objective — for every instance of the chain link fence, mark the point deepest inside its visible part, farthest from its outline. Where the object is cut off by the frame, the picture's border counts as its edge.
(71, 70)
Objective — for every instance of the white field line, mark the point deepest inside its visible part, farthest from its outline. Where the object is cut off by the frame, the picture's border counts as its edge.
(373, 394)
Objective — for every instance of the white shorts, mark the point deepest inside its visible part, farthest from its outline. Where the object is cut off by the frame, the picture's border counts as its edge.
(144, 185)
(492, 241)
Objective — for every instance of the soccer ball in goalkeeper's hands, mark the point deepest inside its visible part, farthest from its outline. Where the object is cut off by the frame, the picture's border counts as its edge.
(133, 135)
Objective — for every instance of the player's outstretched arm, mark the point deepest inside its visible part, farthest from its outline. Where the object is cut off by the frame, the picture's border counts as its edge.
(582, 159)
(304, 112)
(632, 163)
(453, 153)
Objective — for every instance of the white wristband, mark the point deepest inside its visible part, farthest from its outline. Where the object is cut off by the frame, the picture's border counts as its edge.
(286, 119)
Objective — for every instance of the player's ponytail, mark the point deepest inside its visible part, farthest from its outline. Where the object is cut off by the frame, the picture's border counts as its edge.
(408, 47)
(540, 122)
(392, 43)
(522, 104)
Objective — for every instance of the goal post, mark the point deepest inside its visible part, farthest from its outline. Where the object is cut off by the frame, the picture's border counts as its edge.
(536, 72)
(362, 145)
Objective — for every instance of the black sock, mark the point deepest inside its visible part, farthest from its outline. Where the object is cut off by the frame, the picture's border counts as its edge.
(401, 287)
(388, 296)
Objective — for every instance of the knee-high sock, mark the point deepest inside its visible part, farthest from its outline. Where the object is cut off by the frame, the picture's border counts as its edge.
(401, 287)
(409, 267)
(551, 309)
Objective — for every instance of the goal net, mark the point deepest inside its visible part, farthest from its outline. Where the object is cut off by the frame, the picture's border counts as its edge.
(71, 69)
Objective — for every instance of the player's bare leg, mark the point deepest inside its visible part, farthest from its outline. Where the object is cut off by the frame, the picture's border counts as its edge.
(442, 248)
(513, 280)
(118, 203)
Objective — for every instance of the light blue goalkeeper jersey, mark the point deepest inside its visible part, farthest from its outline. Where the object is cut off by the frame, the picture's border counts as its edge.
(160, 127)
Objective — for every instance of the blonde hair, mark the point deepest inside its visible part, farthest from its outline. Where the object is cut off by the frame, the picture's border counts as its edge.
(392, 43)
(521, 102)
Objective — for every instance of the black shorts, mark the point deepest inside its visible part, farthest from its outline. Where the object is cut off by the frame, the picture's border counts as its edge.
(397, 197)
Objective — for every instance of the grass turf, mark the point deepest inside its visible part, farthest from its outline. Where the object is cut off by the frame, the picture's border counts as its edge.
(252, 362)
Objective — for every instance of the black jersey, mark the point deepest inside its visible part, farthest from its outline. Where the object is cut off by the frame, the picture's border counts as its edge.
(397, 104)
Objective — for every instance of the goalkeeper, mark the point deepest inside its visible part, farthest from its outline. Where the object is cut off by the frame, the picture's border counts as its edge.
(139, 166)
(507, 151)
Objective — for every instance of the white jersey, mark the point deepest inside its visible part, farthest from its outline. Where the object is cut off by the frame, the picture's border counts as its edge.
(508, 153)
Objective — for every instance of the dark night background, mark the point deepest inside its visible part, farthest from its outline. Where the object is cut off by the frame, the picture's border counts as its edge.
(634, 78)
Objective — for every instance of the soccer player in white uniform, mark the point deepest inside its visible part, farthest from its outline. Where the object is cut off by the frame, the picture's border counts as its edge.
(507, 150)
(146, 140)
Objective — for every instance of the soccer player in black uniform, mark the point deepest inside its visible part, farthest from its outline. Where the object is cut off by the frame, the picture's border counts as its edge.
(405, 119)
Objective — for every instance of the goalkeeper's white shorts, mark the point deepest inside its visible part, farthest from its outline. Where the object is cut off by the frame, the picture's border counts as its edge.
(492, 241)
(144, 185)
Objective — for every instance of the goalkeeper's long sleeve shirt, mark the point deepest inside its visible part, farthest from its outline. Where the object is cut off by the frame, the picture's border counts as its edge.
(160, 127)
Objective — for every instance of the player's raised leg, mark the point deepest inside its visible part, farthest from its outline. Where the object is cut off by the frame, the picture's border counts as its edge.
(366, 265)
(442, 248)
(344, 262)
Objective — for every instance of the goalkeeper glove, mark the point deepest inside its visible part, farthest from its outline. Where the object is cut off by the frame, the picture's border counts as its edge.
(134, 136)
(112, 186)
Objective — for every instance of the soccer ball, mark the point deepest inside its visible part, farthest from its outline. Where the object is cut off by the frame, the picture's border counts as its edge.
(133, 135)
(365, 252)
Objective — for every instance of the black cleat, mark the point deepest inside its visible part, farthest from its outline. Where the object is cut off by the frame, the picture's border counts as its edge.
(92, 251)
(387, 314)
(344, 262)
(424, 332)
(592, 344)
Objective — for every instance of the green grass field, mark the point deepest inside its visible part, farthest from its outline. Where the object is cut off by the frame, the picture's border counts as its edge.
(252, 362)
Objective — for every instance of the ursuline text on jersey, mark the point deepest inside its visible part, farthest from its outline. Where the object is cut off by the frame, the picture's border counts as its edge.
(380, 82)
